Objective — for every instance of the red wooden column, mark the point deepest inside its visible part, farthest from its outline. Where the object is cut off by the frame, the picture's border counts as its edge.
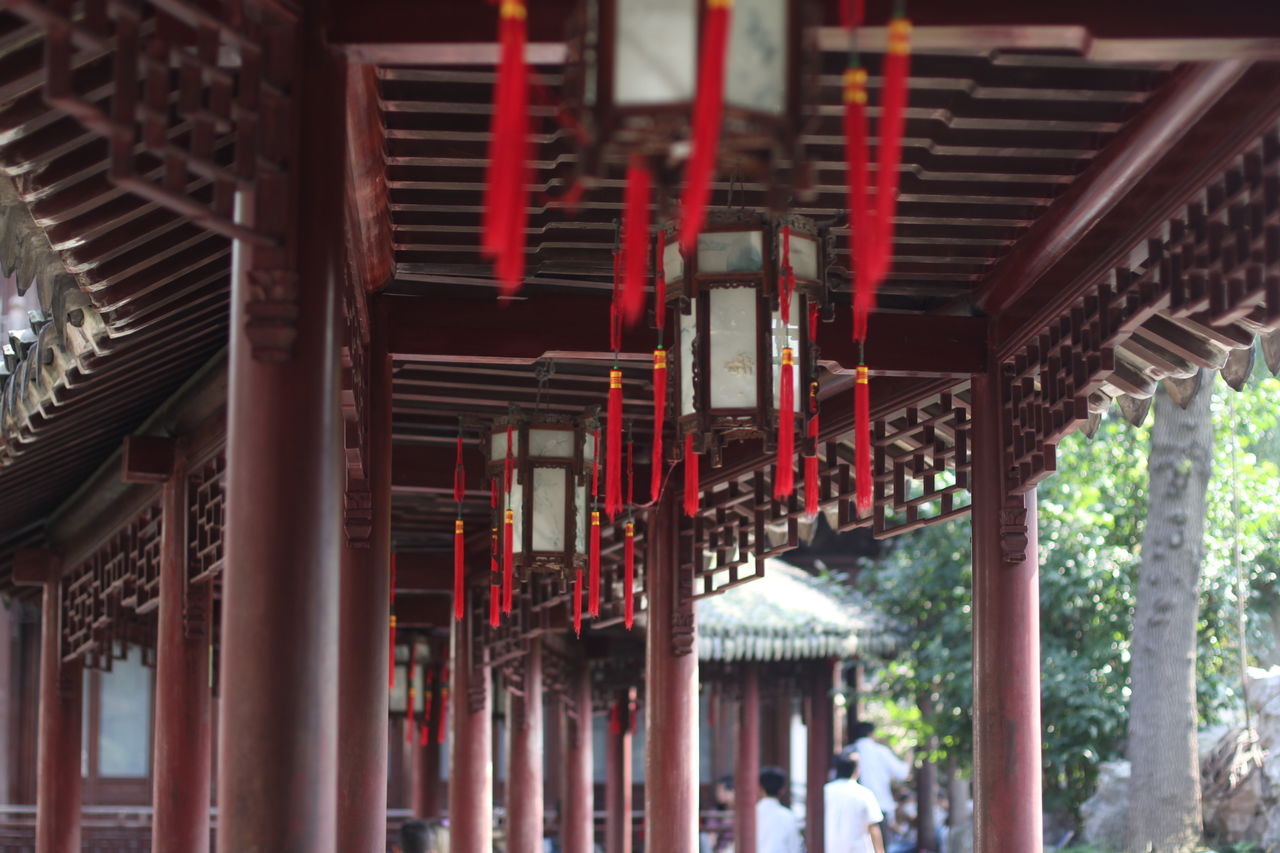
(671, 698)
(577, 812)
(471, 762)
(524, 779)
(1006, 645)
(617, 780)
(746, 782)
(277, 759)
(819, 753)
(426, 776)
(362, 623)
(181, 772)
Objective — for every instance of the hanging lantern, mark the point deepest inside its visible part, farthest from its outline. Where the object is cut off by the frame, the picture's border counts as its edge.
(552, 457)
(731, 339)
(640, 73)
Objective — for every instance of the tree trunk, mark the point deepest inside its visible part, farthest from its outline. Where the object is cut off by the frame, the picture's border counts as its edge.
(1164, 807)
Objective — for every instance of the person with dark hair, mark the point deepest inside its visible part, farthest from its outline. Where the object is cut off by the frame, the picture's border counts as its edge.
(880, 768)
(416, 837)
(852, 817)
(777, 829)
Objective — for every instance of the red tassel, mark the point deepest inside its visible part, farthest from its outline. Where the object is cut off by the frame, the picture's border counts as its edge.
(659, 416)
(506, 191)
(660, 282)
(508, 559)
(635, 237)
(691, 479)
(391, 628)
(892, 121)
(862, 439)
(613, 447)
(577, 602)
(508, 464)
(408, 713)
(629, 576)
(444, 704)
(428, 699)
(495, 604)
(861, 234)
(851, 13)
(785, 483)
(811, 480)
(459, 570)
(495, 570)
(594, 581)
(707, 110)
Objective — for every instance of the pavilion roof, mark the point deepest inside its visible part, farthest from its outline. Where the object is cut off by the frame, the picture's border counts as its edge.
(789, 614)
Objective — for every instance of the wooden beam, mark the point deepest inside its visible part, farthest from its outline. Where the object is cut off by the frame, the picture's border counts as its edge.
(424, 573)
(368, 218)
(424, 611)
(428, 469)
(35, 566)
(147, 459)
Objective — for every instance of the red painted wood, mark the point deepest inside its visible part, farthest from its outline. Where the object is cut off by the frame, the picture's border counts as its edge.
(277, 761)
(363, 648)
(426, 779)
(471, 761)
(578, 827)
(58, 739)
(182, 766)
(746, 781)
(1006, 652)
(524, 779)
(671, 698)
(819, 754)
(617, 779)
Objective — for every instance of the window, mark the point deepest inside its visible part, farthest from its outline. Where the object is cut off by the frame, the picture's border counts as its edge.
(116, 745)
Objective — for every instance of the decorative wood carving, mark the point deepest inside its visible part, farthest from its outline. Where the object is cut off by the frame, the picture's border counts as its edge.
(1013, 530)
(206, 485)
(357, 514)
(271, 314)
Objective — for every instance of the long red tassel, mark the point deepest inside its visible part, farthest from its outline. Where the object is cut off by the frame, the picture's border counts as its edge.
(629, 576)
(391, 628)
(613, 447)
(506, 191)
(692, 484)
(459, 570)
(785, 483)
(707, 110)
(428, 700)
(659, 417)
(409, 703)
(594, 581)
(444, 704)
(892, 121)
(508, 558)
(862, 439)
(495, 570)
(861, 234)
(635, 239)
(577, 603)
(811, 481)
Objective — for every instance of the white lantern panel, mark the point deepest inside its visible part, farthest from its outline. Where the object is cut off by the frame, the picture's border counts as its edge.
(788, 337)
(551, 443)
(548, 508)
(804, 257)
(688, 331)
(732, 362)
(516, 503)
(756, 72)
(672, 262)
(655, 52)
(588, 449)
(730, 252)
(580, 533)
(498, 444)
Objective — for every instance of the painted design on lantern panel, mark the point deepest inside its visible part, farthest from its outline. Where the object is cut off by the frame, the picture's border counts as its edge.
(551, 443)
(548, 507)
(755, 78)
(733, 370)
(688, 331)
(672, 262)
(516, 502)
(655, 54)
(804, 258)
(730, 252)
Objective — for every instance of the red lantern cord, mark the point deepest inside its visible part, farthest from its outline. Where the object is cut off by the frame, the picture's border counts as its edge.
(631, 469)
(444, 704)
(391, 627)
(786, 280)
(595, 464)
(508, 558)
(811, 480)
(459, 473)
(629, 576)
(691, 478)
(506, 190)
(615, 307)
(785, 482)
(577, 603)
(862, 440)
(459, 570)
(613, 447)
(862, 235)
(635, 239)
(851, 13)
(508, 463)
(659, 416)
(594, 581)
(495, 571)
(892, 120)
(660, 283)
(428, 699)
(408, 713)
(707, 110)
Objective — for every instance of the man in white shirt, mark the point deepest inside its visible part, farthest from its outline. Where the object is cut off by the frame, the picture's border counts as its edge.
(851, 813)
(777, 829)
(878, 767)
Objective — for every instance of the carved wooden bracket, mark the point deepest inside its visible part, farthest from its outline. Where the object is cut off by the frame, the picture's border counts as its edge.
(272, 314)
(357, 514)
(1013, 530)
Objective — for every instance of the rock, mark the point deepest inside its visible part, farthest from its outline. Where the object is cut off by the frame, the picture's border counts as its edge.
(1264, 698)
(1105, 813)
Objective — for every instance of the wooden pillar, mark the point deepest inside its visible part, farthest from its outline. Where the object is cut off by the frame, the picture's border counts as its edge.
(362, 623)
(426, 778)
(182, 767)
(524, 777)
(746, 783)
(577, 817)
(819, 754)
(617, 781)
(471, 762)
(277, 761)
(9, 700)
(58, 738)
(671, 698)
(1006, 644)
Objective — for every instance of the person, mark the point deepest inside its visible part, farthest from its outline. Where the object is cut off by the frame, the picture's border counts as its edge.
(852, 817)
(416, 837)
(777, 829)
(880, 768)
